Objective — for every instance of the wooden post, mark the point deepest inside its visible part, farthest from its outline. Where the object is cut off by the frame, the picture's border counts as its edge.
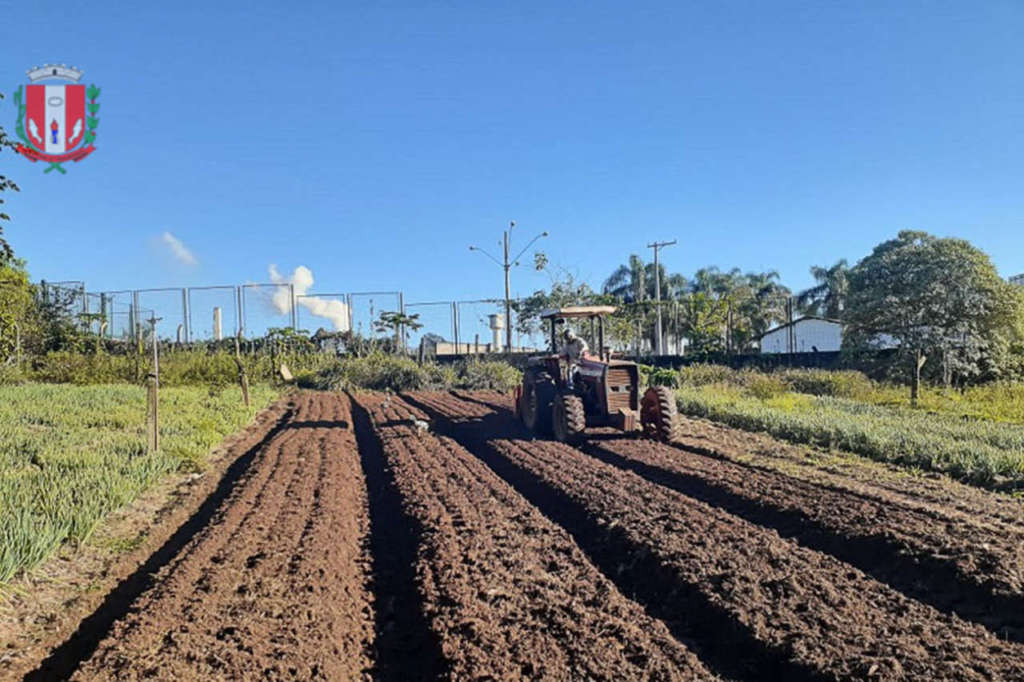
(243, 380)
(153, 395)
(915, 383)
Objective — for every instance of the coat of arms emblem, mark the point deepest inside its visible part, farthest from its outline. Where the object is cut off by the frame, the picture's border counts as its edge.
(56, 116)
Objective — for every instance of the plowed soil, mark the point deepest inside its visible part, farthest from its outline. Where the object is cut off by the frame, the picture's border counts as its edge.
(968, 564)
(429, 536)
(784, 608)
(275, 586)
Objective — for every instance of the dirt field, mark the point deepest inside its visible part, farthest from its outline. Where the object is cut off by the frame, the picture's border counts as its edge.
(429, 537)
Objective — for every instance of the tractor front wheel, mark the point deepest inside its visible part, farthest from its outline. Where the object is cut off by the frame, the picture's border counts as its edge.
(535, 401)
(568, 418)
(658, 413)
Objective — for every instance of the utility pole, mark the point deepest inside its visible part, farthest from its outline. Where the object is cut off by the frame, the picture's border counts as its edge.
(506, 265)
(508, 299)
(657, 290)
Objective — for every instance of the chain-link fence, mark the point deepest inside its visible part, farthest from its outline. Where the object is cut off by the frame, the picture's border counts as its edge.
(266, 306)
(201, 313)
(437, 319)
(213, 312)
(365, 308)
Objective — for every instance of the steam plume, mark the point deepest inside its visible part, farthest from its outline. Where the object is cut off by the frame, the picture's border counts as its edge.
(302, 280)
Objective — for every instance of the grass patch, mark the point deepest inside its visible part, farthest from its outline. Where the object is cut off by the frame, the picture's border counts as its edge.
(981, 452)
(69, 455)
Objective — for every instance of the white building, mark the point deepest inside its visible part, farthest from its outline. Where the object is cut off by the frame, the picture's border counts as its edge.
(804, 335)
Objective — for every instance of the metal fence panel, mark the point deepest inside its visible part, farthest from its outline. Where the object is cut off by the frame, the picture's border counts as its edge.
(264, 306)
(437, 318)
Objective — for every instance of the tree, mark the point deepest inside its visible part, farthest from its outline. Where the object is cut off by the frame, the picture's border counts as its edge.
(828, 297)
(397, 323)
(762, 303)
(628, 282)
(16, 303)
(565, 289)
(936, 297)
(703, 318)
(6, 253)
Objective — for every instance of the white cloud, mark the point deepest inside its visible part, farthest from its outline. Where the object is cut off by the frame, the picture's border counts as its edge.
(180, 252)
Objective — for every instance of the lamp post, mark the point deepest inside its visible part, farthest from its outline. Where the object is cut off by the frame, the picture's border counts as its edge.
(506, 265)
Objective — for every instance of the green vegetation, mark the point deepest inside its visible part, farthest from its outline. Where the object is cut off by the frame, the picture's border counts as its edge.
(379, 371)
(177, 367)
(69, 455)
(974, 436)
(938, 298)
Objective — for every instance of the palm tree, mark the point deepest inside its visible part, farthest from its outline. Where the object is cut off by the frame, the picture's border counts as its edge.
(765, 303)
(628, 282)
(828, 297)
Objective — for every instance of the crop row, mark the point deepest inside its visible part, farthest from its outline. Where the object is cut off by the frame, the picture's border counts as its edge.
(982, 453)
(70, 455)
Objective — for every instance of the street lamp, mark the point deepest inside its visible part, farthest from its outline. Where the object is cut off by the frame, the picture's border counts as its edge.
(506, 265)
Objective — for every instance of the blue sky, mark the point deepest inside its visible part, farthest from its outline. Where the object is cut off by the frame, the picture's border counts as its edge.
(373, 142)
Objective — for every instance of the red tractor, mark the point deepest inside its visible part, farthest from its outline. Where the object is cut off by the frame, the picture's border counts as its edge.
(562, 396)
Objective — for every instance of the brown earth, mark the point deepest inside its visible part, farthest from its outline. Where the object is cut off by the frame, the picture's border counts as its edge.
(797, 611)
(276, 585)
(508, 593)
(968, 564)
(431, 537)
(55, 615)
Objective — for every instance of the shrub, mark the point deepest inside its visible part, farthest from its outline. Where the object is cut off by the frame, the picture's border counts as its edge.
(11, 375)
(765, 386)
(835, 384)
(663, 377)
(487, 375)
(703, 375)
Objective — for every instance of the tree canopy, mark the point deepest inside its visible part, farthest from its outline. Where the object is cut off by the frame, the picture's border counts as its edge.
(6, 252)
(828, 297)
(936, 297)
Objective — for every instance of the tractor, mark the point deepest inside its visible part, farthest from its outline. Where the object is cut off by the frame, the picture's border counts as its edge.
(601, 391)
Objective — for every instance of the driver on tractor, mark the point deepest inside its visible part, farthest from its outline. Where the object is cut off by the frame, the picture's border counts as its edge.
(574, 349)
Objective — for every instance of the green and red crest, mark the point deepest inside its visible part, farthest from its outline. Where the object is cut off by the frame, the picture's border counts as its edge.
(57, 116)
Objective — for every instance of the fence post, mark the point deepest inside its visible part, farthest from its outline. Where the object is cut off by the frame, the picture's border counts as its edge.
(153, 395)
(243, 380)
(455, 318)
(295, 320)
(401, 329)
(184, 314)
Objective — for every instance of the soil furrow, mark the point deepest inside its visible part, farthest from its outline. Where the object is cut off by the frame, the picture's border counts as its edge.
(232, 608)
(810, 614)
(404, 647)
(174, 546)
(509, 593)
(955, 565)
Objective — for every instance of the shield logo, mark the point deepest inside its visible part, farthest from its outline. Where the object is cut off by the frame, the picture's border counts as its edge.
(56, 120)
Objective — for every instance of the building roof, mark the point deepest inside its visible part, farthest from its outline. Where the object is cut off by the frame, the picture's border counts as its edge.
(800, 319)
(578, 311)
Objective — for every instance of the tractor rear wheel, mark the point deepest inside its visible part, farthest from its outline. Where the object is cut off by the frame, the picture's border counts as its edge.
(659, 415)
(535, 401)
(568, 418)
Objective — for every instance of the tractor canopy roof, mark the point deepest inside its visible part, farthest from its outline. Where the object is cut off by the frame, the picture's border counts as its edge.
(576, 311)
